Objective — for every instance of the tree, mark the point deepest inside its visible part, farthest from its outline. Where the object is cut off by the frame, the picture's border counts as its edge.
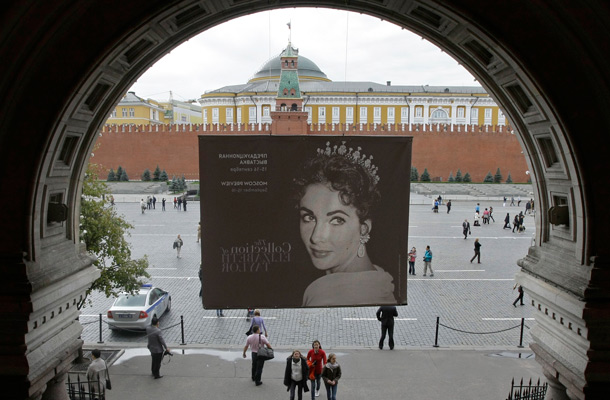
(103, 231)
(451, 178)
(414, 174)
(467, 178)
(498, 176)
(425, 177)
(119, 172)
(146, 175)
(458, 176)
(157, 174)
(164, 177)
(488, 178)
(509, 179)
(183, 185)
(174, 186)
(111, 176)
(124, 177)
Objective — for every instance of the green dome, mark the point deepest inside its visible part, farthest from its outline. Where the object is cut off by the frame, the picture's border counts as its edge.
(272, 68)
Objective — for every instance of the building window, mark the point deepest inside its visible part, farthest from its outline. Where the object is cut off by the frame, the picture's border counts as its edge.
(349, 115)
(113, 114)
(460, 112)
(215, 115)
(132, 112)
(404, 115)
(440, 116)
(124, 113)
(336, 115)
(474, 116)
(308, 111)
(377, 115)
(266, 111)
(239, 115)
(418, 112)
(183, 118)
(501, 118)
(363, 115)
(321, 115)
(285, 91)
(205, 116)
(229, 115)
(252, 114)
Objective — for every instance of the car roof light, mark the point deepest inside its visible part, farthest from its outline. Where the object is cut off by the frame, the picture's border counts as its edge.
(147, 285)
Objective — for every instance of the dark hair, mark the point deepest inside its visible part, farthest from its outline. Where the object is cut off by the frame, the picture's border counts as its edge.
(314, 342)
(356, 186)
(255, 328)
(154, 321)
(96, 353)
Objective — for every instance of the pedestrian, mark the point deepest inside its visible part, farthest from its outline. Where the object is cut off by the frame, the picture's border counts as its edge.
(112, 200)
(295, 375)
(219, 313)
(201, 279)
(258, 321)
(448, 206)
(148, 202)
(163, 204)
(518, 201)
(435, 208)
(331, 373)
(412, 256)
(157, 346)
(255, 341)
(504, 202)
(512, 200)
(477, 209)
(521, 222)
(428, 261)
(486, 216)
(477, 251)
(154, 202)
(178, 246)
(516, 223)
(316, 358)
(184, 204)
(179, 203)
(97, 372)
(520, 297)
(386, 314)
(175, 203)
(142, 205)
(491, 210)
(476, 219)
(466, 229)
(249, 314)
(198, 231)
(527, 207)
(507, 221)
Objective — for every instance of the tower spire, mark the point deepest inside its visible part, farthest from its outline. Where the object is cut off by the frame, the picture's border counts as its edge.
(289, 31)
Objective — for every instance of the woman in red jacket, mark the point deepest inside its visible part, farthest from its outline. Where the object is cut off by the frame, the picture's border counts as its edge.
(316, 358)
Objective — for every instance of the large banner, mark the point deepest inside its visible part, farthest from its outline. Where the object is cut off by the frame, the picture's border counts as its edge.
(301, 221)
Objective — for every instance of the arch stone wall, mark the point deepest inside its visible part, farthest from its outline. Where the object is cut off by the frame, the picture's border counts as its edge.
(68, 63)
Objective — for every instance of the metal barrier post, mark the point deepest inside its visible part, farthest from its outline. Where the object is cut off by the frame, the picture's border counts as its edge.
(182, 328)
(436, 335)
(101, 340)
(521, 337)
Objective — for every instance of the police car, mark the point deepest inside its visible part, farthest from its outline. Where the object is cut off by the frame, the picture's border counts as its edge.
(137, 311)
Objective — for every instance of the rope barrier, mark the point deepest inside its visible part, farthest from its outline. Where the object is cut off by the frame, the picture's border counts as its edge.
(479, 333)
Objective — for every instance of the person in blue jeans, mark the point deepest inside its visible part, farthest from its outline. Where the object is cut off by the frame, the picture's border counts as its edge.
(331, 373)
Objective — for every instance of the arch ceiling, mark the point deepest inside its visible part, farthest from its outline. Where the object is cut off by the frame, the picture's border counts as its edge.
(544, 62)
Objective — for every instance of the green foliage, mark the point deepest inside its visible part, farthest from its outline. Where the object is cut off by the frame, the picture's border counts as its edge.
(488, 178)
(467, 178)
(458, 176)
(103, 231)
(157, 174)
(414, 174)
(124, 177)
(164, 177)
(119, 172)
(498, 176)
(425, 177)
(174, 186)
(509, 179)
(146, 175)
(111, 176)
(451, 178)
(183, 183)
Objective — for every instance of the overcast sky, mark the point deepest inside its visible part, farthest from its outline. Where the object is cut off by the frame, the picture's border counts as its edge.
(344, 45)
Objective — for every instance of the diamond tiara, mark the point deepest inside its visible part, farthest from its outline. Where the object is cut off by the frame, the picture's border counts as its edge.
(355, 156)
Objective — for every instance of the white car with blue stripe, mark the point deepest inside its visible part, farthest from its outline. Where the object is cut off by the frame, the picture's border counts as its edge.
(137, 311)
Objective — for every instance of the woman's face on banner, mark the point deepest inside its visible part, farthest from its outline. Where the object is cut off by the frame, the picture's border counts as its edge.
(330, 230)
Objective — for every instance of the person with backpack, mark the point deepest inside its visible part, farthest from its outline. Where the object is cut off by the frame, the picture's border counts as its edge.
(428, 261)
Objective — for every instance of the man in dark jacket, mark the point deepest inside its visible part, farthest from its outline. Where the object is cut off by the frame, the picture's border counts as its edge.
(386, 315)
(156, 345)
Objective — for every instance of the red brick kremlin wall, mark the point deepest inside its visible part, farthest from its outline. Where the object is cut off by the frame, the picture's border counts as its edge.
(441, 149)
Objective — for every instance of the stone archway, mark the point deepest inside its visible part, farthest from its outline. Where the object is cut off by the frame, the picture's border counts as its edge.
(68, 62)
